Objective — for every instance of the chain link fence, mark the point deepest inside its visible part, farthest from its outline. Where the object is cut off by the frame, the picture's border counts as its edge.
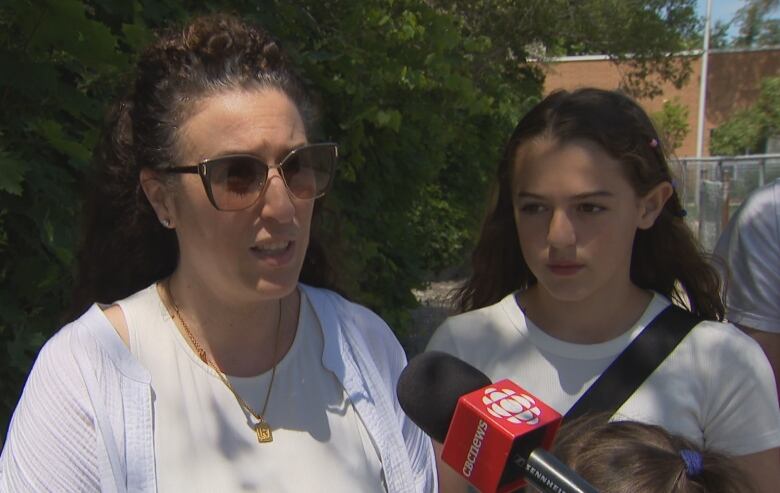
(713, 188)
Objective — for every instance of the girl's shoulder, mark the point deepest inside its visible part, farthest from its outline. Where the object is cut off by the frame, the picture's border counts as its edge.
(723, 336)
(721, 350)
(486, 315)
(479, 326)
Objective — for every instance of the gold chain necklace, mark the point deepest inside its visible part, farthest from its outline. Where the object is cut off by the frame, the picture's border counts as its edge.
(262, 429)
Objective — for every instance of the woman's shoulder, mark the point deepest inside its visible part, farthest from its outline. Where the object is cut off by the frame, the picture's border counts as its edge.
(93, 341)
(77, 381)
(353, 329)
(55, 380)
(53, 415)
(58, 356)
(74, 339)
(334, 310)
(326, 300)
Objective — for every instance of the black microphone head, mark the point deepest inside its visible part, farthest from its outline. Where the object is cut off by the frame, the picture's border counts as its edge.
(430, 386)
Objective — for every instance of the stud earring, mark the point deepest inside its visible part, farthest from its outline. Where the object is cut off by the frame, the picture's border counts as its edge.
(166, 222)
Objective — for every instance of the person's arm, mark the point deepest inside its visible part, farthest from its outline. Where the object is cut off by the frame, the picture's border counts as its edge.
(420, 456)
(762, 469)
(51, 441)
(449, 480)
(750, 252)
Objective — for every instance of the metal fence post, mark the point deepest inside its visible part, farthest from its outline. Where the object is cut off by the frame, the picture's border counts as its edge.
(697, 184)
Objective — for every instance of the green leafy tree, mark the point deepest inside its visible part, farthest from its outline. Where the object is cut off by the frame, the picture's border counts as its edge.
(770, 33)
(748, 130)
(756, 28)
(672, 123)
(57, 64)
(418, 133)
(419, 128)
(719, 34)
(61, 62)
(420, 96)
(640, 36)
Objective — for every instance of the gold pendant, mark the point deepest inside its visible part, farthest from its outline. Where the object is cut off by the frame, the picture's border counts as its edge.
(263, 431)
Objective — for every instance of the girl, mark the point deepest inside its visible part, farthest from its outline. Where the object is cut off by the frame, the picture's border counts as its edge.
(583, 245)
(632, 457)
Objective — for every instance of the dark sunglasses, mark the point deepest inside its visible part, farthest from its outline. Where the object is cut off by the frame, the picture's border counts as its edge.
(237, 181)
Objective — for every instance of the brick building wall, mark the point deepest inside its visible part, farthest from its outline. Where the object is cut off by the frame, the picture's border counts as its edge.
(733, 83)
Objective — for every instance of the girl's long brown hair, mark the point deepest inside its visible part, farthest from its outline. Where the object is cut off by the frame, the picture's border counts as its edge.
(666, 257)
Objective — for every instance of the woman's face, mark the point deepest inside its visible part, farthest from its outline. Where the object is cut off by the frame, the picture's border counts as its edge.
(254, 251)
(576, 216)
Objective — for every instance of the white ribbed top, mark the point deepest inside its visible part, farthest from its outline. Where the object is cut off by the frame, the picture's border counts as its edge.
(203, 438)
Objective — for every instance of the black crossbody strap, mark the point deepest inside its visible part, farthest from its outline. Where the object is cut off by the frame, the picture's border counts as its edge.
(632, 367)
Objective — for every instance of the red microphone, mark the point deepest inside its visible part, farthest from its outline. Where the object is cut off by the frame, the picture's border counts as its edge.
(493, 431)
(494, 434)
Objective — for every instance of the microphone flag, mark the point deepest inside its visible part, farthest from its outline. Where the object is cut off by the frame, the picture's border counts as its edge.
(494, 430)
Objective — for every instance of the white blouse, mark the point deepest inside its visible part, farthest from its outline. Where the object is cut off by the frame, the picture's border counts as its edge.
(204, 440)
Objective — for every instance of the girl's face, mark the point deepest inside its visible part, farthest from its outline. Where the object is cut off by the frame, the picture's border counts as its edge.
(576, 217)
(254, 252)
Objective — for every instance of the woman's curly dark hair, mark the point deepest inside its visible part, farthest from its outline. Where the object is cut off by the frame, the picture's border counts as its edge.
(123, 246)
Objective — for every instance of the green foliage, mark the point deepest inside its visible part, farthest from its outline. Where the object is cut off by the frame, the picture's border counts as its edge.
(748, 130)
(640, 36)
(419, 133)
(768, 106)
(740, 134)
(757, 25)
(756, 28)
(719, 34)
(61, 62)
(420, 130)
(420, 96)
(672, 123)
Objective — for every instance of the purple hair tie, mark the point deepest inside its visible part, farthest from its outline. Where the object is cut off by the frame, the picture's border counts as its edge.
(654, 143)
(693, 462)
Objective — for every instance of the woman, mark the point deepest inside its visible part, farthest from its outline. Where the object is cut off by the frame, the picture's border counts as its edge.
(583, 247)
(208, 366)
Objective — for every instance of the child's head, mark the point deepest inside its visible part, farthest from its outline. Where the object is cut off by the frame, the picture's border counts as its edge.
(631, 457)
(589, 140)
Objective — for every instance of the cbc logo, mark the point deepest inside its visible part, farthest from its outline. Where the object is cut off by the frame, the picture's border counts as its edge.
(515, 408)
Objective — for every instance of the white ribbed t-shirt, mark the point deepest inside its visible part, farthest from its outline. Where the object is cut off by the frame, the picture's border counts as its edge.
(715, 388)
(204, 441)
